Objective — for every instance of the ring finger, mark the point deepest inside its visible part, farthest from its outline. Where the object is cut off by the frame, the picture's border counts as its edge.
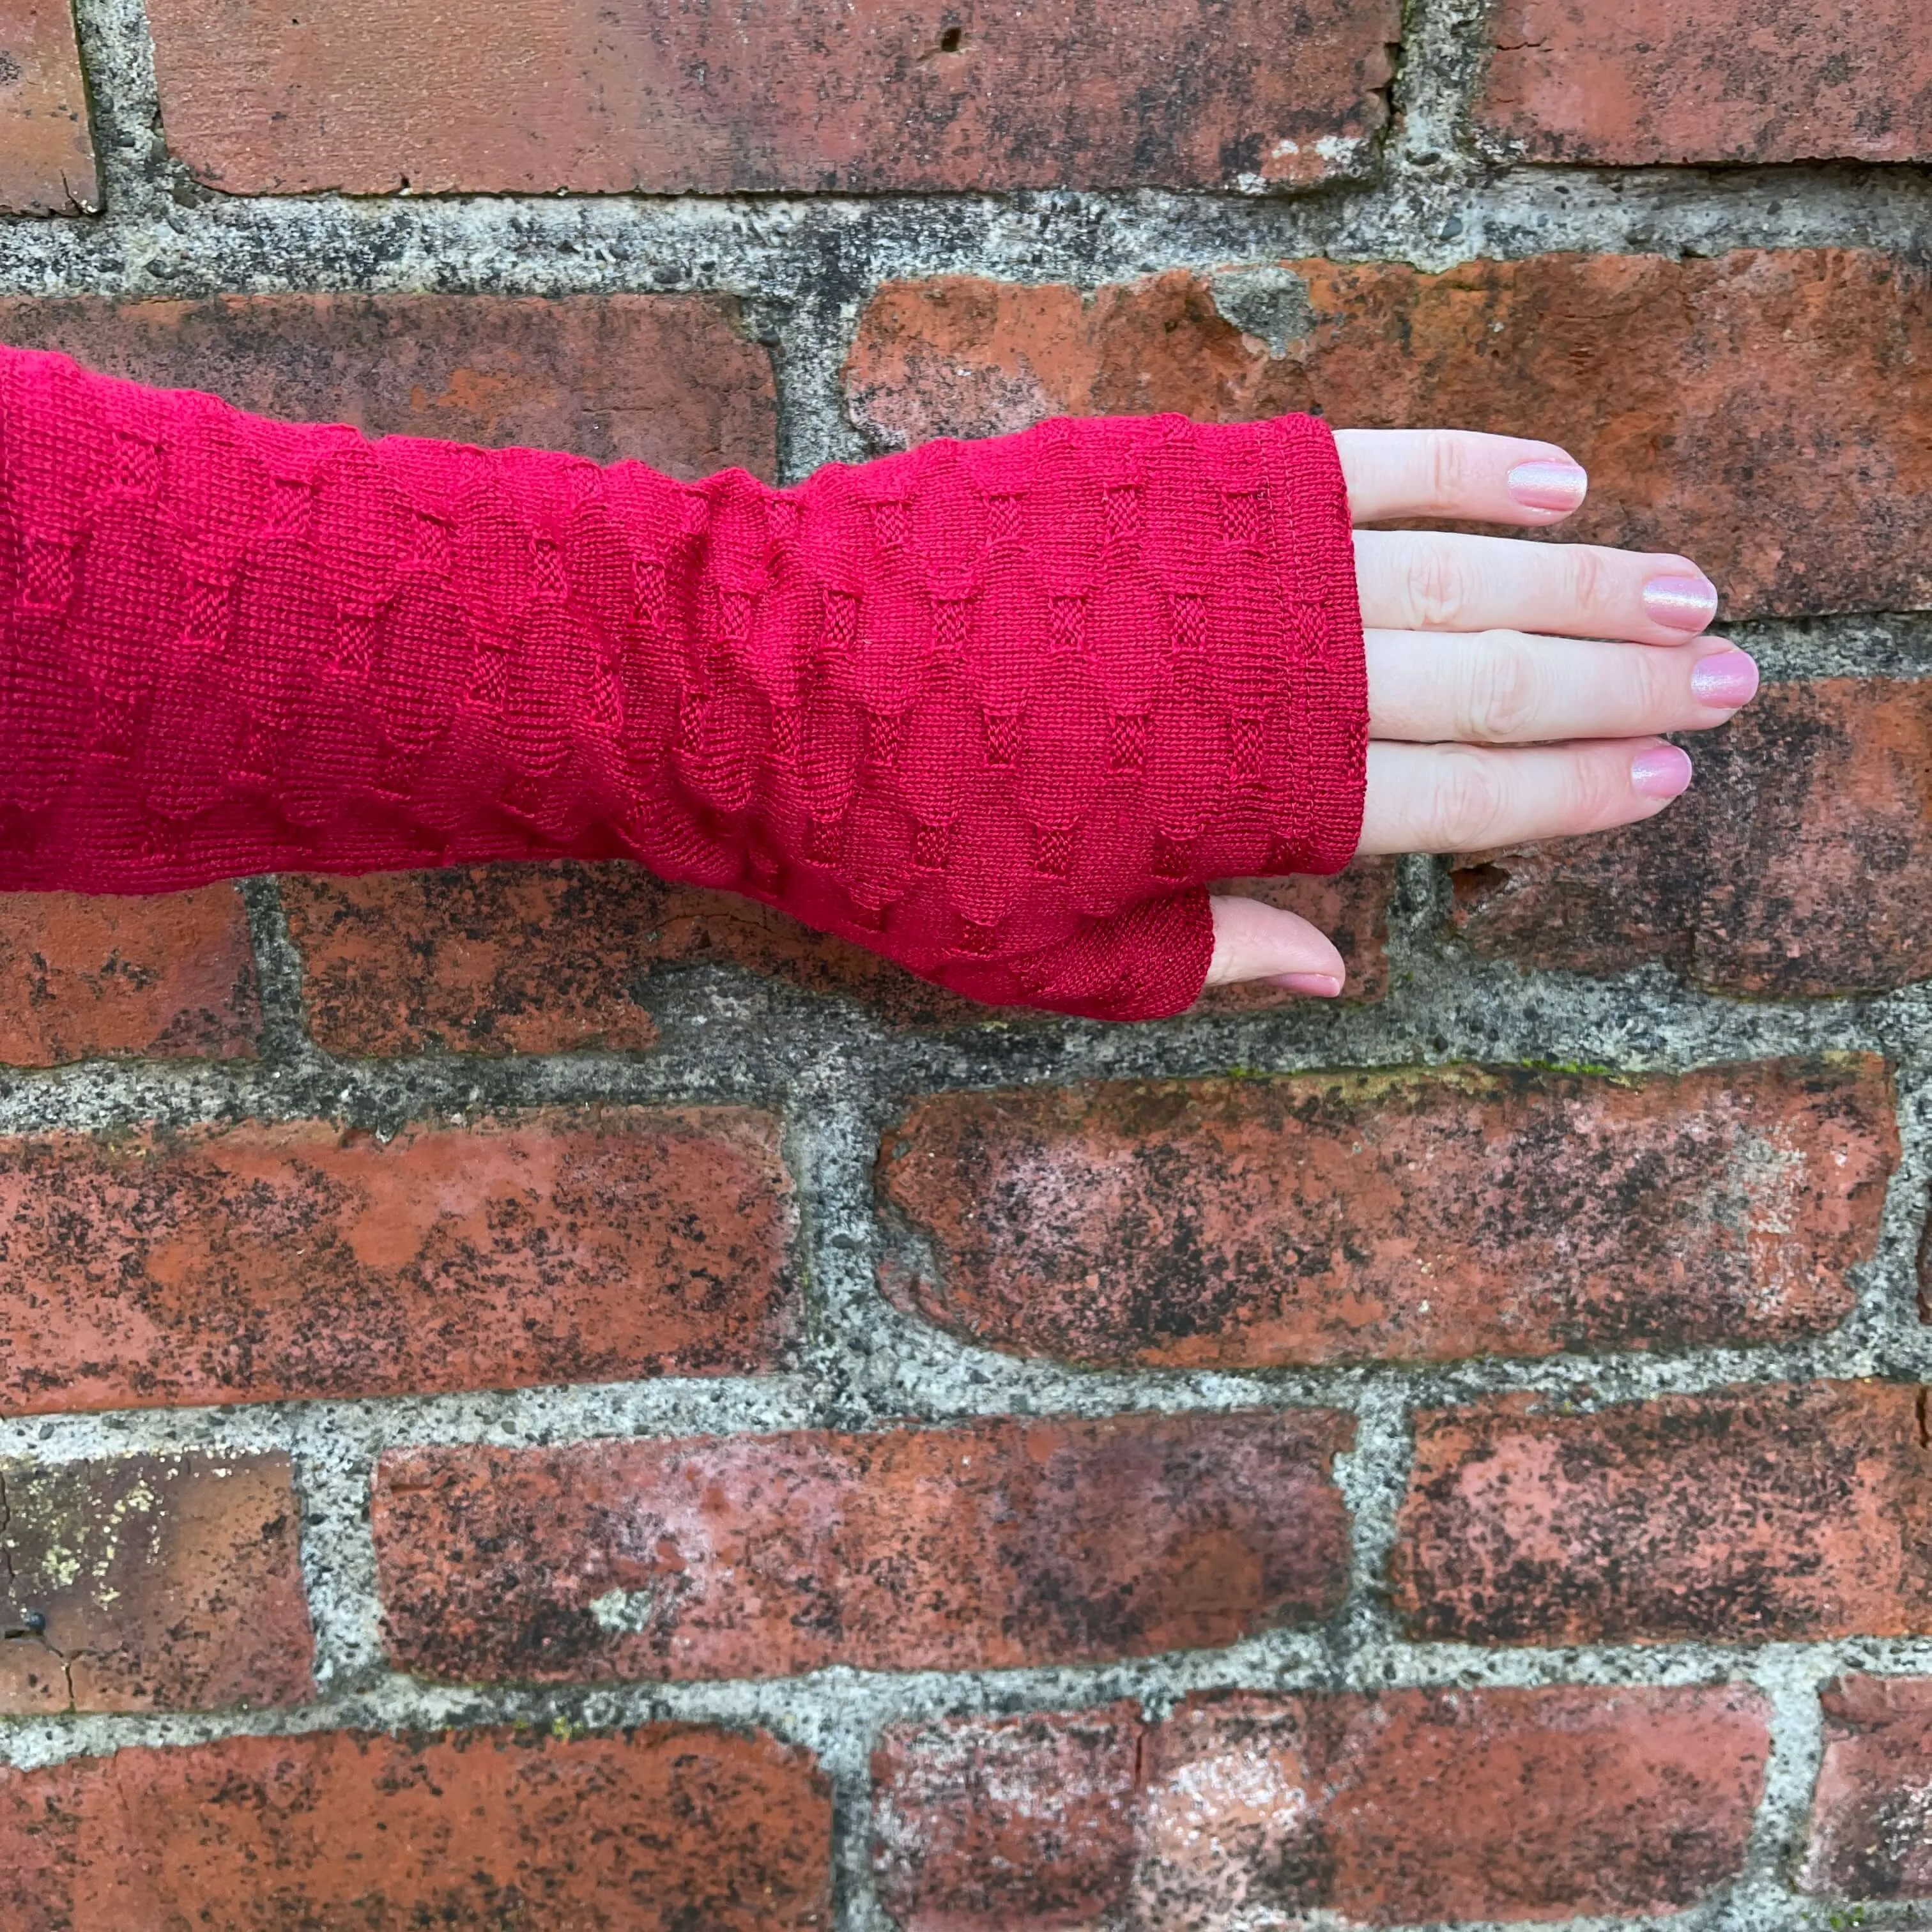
(1508, 687)
(1433, 580)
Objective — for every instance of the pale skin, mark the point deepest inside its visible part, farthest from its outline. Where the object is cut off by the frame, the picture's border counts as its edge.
(1517, 690)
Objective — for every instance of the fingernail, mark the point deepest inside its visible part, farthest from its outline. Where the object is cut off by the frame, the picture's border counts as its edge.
(1546, 483)
(1725, 681)
(1316, 985)
(1683, 603)
(1662, 773)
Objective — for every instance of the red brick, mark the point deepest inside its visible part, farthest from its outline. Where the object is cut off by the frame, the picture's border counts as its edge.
(549, 958)
(1760, 410)
(668, 380)
(657, 1830)
(956, 356)
(1440, 1805)
(250, 1263)
(162, 1582)
(794, 95)
(1798, 866)
(1261, 1221)
(1008, 1822)
(46, 154)
(1664, 81)
(1752, 1515)
(989, 1545)
(163, 978)
(1871, 1813)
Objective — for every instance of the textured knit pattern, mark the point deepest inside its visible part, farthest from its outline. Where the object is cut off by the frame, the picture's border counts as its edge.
(996, 709)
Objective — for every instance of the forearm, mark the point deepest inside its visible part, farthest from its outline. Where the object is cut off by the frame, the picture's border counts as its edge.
(991, 709)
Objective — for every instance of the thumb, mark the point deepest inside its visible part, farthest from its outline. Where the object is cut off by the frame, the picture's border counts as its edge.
(1253, 941)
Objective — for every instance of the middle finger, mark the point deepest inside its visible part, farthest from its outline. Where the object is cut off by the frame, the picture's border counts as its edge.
(1434, 580)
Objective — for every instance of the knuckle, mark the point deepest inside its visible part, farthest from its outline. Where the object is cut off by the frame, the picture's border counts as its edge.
(1502, 692)
(1439, 589)
(1661, 696)
(1592, 582)
(1468, 800)
(1603, 790)
(1445, 458)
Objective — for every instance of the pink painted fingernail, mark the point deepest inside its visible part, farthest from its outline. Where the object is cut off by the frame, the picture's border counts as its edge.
(1546, 483)
(1725, 681)
(1662, 773)
(1316, 985)
(1683, 603)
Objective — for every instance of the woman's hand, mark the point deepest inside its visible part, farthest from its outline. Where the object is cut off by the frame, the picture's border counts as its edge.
(1516, 690)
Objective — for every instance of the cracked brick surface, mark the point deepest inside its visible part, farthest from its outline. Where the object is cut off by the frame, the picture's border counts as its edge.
(152, 1583)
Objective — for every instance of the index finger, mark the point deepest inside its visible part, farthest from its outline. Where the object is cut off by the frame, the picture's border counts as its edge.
(1463, 473)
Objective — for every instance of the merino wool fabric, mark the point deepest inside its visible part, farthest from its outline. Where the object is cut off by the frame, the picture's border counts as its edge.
(998, 710)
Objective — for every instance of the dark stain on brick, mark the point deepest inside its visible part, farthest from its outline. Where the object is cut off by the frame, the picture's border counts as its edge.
(272, 1259)
(1185, 1223)
(1781, 1513)
(666, 1828)
(986, 1546)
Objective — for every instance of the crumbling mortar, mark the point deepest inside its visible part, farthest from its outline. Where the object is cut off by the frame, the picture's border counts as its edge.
(1442, 57)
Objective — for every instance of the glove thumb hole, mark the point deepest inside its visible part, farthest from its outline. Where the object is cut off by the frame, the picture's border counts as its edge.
(1147, 961)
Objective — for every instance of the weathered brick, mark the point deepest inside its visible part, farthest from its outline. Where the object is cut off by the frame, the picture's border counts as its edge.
(1652, 82)
(667, 380)
(773, 94)
(161, 1582)
(1762, 410)
(956, 356)
(549, 958)
(257, 1261)
(992, 1544)
(660, 1829)
(46, 154)
(1008, 1823)
(1414, 1215)
(1871, 1813)
(1748, 1516)
(166, 978)
(1492, 1804)
(1798, 866)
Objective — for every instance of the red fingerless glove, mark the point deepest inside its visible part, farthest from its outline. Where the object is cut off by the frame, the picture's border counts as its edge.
(995, 709)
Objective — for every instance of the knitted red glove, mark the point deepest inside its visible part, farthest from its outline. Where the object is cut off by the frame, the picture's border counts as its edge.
(994, 710)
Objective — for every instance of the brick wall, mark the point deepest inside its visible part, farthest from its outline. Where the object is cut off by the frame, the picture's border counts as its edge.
(539, 1399)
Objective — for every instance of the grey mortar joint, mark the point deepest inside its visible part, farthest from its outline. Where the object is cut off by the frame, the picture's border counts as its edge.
(118, 57)
(278, 975)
